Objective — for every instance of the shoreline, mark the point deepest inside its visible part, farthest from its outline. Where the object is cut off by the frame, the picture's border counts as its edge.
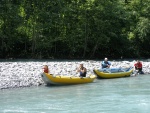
(27, 73)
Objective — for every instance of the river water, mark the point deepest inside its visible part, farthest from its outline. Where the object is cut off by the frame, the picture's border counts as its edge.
(119, 95)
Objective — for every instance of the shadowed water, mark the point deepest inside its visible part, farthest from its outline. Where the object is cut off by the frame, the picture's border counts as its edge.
(120, 95)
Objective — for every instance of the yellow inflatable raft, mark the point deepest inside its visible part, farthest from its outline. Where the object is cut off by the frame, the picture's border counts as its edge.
(109, 74)
(64, 80)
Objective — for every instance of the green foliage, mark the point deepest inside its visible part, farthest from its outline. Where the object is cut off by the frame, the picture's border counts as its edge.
(139, 26)
(74, 29)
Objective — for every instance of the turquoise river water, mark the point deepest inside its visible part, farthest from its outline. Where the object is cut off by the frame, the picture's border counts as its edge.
(120, 95)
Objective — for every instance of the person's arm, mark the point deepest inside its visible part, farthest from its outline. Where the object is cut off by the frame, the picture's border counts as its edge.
(135, 64)
(103, 64)
(78, 69)
(140, 65)
(109, 63)
(83, 70)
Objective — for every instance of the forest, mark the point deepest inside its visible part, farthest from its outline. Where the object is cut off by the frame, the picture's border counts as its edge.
(74, 29)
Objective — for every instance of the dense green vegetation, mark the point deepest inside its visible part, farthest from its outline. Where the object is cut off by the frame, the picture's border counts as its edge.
(74, 28)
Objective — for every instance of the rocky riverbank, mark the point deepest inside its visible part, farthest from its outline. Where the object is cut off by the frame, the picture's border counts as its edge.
(25, 74)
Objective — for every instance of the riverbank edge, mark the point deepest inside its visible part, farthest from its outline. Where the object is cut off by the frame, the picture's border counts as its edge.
(26, 74)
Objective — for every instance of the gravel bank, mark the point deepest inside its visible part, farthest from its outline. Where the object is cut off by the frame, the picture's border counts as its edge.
(25, 74)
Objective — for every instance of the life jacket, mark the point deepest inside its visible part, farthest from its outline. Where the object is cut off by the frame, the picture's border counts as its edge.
(138, 65)
(46, 70)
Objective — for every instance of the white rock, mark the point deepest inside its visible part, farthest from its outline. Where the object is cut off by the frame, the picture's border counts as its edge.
(24, 74)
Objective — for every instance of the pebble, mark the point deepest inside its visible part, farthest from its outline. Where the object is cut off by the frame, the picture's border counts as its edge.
(26, 74)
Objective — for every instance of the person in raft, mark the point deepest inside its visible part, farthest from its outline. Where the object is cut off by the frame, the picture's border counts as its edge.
(106, 63)
(138, 67)
(82, 70)
(45, 69)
